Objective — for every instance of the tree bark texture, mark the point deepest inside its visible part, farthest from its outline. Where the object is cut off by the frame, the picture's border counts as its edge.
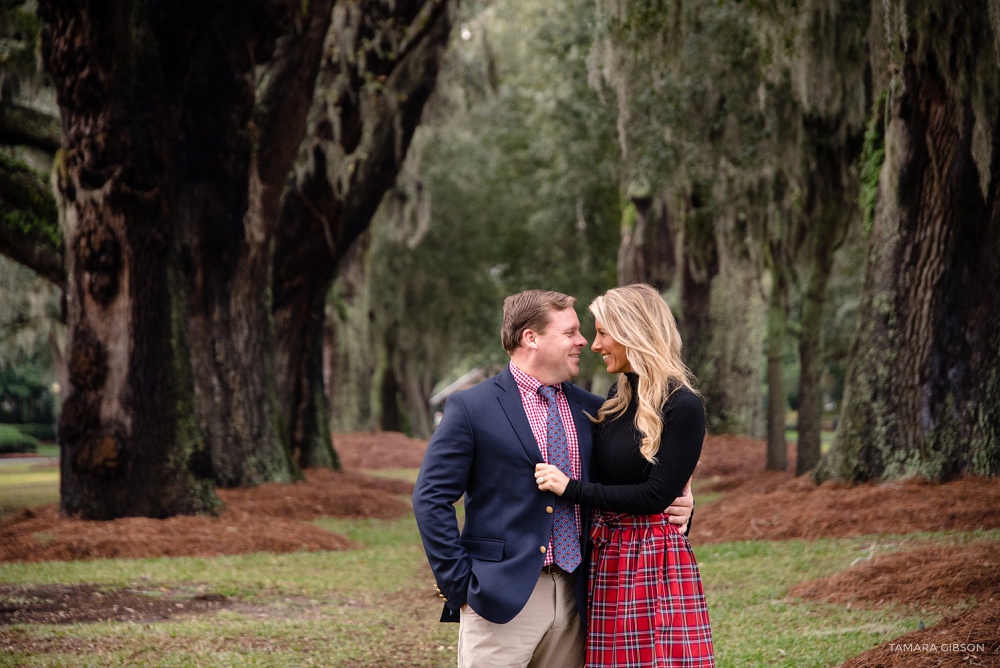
(128, 443)
(733, 377)
(830, 205)
(777, 326)
(722, 322)
(231, 202)
(381, 71)
(647, 249)
(699, 267)
(923, 388)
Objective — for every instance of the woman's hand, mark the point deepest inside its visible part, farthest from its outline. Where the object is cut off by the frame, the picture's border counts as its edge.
(550, 479)
(680, 510)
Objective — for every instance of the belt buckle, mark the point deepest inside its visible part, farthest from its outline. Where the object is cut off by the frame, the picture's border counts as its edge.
(551, 569)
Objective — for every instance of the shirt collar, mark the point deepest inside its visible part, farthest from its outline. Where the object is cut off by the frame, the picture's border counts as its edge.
(528, 383)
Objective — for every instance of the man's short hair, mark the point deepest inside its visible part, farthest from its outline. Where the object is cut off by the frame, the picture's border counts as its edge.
(530, 309)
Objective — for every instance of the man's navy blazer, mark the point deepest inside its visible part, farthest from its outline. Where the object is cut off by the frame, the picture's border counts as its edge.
(484, 448)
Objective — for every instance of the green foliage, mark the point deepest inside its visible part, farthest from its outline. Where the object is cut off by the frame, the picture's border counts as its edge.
(872, 157)
(45, 431)
(29, 325)
(13, 440)
(19, 30)
(511, 183)
(24, 397)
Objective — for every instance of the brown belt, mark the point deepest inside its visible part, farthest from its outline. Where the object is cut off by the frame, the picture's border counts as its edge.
(552, 569)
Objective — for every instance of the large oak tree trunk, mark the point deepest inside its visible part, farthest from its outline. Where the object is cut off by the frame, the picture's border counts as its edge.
(128, 443)
(233, 203)
(923, 389)
(358, 140)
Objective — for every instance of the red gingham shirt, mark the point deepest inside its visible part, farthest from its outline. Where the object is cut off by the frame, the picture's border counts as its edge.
(536, 408)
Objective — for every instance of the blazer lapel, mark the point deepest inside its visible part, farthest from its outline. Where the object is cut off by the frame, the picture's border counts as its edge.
(510, 400)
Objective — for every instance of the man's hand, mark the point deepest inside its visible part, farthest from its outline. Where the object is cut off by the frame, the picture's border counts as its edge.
(681, 508)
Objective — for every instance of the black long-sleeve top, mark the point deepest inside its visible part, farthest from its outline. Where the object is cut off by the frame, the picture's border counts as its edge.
(624, 482)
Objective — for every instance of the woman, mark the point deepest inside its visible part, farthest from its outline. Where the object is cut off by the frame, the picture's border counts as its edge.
(647, 606)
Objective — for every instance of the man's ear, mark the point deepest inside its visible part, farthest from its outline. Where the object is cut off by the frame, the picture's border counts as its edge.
(529, 339)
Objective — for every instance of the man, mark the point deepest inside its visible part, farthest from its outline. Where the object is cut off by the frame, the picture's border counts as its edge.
(515, 576)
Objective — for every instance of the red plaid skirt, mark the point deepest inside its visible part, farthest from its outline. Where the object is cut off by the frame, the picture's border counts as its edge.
(647, 606)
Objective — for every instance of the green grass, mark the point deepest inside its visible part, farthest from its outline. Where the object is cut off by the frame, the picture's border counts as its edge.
(27, 484)
(375, 606)
(48, 449)
(825, 437)
(409, 475)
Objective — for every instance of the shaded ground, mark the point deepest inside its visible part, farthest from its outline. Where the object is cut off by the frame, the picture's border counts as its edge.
(54, 604)
(755, 505)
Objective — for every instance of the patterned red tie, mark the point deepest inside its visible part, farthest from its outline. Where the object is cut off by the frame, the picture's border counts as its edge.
(565, 534)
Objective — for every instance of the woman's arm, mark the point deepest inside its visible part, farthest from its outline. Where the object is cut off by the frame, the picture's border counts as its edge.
(680, 448)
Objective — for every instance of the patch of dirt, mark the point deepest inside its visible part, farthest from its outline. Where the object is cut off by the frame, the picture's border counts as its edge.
(60, 604)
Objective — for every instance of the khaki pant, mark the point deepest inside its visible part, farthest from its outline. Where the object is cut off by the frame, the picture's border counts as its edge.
(547, 633)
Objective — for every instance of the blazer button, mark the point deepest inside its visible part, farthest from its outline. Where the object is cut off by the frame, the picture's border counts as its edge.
(549, 509)
(542, 548)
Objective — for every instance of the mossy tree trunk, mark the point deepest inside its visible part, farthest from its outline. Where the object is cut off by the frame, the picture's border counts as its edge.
(647, 248)
(923, 388)
(129, 445)
(351, 158)
(232, 201)
(777, 326)
(830, 203)
(831, 86)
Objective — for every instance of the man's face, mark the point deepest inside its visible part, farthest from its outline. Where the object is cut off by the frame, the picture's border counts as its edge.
(557, 355)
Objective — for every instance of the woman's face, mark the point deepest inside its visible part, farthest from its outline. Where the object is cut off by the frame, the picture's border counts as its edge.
(612, 352)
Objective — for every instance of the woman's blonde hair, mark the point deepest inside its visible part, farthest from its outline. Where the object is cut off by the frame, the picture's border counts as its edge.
(637, 317)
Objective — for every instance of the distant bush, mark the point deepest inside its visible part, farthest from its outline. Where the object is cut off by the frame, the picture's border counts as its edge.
(42, 431)
(13, 440)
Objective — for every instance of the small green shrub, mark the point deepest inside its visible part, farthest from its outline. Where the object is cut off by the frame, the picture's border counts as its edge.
(13, 440)
(43, 431)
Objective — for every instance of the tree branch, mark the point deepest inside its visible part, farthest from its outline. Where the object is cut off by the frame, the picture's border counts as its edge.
(287, 91)
(29, 226)
(24, 126)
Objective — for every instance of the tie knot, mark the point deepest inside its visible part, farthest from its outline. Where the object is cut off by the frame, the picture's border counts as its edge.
(547, 391)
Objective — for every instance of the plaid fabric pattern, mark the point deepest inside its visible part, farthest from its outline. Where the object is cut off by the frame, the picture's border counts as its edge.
(536, 408)
(647, 606)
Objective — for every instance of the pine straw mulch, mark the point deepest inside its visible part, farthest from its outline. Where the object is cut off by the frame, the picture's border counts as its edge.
(769, 505)
(763, 505)
(755, 505)
(933, 580)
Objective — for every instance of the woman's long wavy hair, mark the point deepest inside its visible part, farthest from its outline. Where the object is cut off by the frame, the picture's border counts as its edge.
(637, 317)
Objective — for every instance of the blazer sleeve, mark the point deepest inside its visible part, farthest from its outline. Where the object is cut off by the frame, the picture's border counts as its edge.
(680, 448)
(443, 478)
